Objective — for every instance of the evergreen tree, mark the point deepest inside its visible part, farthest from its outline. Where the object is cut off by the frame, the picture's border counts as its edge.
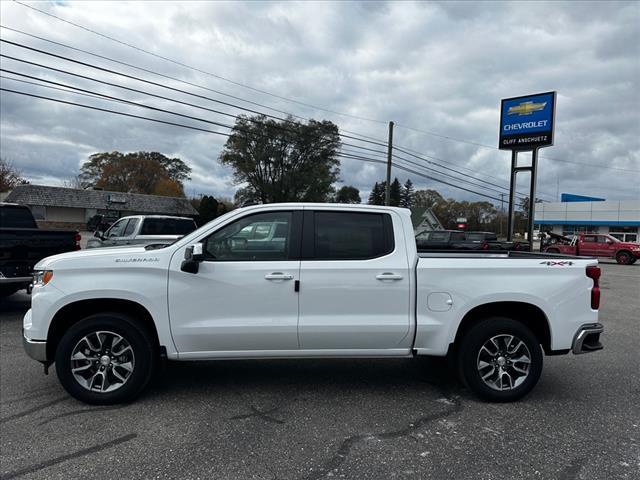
(376, 197)
(208, 209)
(406, 198)
(395, 193)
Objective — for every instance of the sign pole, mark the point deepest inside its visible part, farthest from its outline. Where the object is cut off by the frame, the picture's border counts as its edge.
(532, 197)
(512, 194)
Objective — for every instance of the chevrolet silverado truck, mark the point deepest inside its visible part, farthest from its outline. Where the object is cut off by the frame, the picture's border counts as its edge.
(23, 244)
(143, 229)
(595, 245)
(332, 281)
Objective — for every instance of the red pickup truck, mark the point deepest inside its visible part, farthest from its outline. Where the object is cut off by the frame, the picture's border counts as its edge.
(596, 245)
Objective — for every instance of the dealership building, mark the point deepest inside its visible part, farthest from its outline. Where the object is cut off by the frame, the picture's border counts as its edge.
(576, 213)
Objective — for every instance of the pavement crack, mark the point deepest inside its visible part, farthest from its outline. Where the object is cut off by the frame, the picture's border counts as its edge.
(79, 412)
(348, 443)
(69, 456)
(33, 409)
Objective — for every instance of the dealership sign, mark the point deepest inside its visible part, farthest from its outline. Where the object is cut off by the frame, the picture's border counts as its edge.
(526, 123)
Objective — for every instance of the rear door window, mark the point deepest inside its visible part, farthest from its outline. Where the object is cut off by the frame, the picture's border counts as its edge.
(351, 236)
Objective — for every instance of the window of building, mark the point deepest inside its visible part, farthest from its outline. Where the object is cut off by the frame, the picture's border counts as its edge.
(625, 234)
(569, 230)
(39, 212)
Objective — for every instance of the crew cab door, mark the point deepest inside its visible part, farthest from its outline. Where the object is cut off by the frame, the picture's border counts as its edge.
(354, 283)
(242, 301)
(589, 245)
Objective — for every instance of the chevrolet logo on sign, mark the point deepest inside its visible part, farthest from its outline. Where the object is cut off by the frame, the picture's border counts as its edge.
(526, 122)
(526, 108)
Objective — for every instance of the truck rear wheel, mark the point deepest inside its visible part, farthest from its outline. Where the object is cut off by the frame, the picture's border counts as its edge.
(105, 359)
(624, 258)
(552, 250)
(500, 359)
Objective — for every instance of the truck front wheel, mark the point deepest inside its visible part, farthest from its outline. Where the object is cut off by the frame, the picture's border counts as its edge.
(624, 258)
(105, 359)
(500, 359)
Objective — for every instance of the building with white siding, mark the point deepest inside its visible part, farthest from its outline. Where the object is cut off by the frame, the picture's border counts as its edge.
(619, 218)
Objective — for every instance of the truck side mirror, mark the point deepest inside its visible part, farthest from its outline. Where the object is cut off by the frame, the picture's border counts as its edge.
(193, 255)
(99, 234)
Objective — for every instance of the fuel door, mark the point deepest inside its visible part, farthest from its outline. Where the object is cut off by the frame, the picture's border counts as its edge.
(439, 302)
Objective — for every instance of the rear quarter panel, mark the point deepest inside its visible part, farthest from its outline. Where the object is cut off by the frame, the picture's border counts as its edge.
(560, 289)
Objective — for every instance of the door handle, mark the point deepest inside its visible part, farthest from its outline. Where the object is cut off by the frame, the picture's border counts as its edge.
(389, 276)
(278, 276)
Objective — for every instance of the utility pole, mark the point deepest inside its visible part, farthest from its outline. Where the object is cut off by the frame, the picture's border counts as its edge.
(501, 211)
(387, 192)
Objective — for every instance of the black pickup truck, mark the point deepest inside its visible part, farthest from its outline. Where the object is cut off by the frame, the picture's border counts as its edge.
(459, 240)
(22, 245)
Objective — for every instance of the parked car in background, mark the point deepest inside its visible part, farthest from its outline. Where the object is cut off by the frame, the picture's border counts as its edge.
(23, 244)
(593, 245)
(101, 222)
(143, 229)
(460, 240)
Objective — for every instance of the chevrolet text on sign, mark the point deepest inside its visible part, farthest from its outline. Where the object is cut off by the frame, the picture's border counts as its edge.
(527, 122)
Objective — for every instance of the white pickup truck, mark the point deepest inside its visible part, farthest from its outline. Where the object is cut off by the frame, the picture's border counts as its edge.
(314, 280)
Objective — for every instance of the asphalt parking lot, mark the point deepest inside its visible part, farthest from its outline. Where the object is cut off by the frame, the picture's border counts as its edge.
(363, 419)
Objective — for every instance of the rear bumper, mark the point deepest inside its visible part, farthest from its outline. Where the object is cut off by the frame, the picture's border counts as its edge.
(587, 338)
(36, 349)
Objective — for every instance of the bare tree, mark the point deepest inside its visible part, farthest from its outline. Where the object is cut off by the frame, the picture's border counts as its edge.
(10, 176)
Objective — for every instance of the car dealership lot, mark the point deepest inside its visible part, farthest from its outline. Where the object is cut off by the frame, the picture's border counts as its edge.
(334, 419)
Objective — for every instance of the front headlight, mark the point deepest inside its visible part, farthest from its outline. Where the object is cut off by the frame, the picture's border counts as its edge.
(42, 277)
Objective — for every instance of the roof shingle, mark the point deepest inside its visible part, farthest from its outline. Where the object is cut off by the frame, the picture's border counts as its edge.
(99, 199)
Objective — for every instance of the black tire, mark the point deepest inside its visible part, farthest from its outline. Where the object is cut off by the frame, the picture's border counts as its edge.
(469, 356)
(140, 341)
(552, 250)
(624, 258)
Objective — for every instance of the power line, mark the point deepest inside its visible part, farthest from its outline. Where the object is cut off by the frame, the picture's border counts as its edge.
(401, 167)
(190, 117)
(425, 132)
(150, 82)
(91, 107)
(214, 75)
(172, 78)
(184, 103)
(121, 100)
(454, 170)
(175, 100)
(470, 142)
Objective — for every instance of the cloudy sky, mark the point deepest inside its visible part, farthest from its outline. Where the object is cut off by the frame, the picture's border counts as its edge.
(437, 69)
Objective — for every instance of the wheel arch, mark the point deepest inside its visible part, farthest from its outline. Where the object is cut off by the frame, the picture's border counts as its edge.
(527, 313)
(74, 312)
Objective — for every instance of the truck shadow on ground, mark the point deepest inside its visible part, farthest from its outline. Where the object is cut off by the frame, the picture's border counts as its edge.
(305, 374)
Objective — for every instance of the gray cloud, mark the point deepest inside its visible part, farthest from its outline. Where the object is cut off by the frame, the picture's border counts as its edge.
(437, 67)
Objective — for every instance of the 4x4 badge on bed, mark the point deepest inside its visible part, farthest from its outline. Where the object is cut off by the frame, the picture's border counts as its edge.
(551, 263)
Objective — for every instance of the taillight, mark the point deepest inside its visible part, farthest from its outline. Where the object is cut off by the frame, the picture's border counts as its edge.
(485, 245)
(77, 238)
(594, 274)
